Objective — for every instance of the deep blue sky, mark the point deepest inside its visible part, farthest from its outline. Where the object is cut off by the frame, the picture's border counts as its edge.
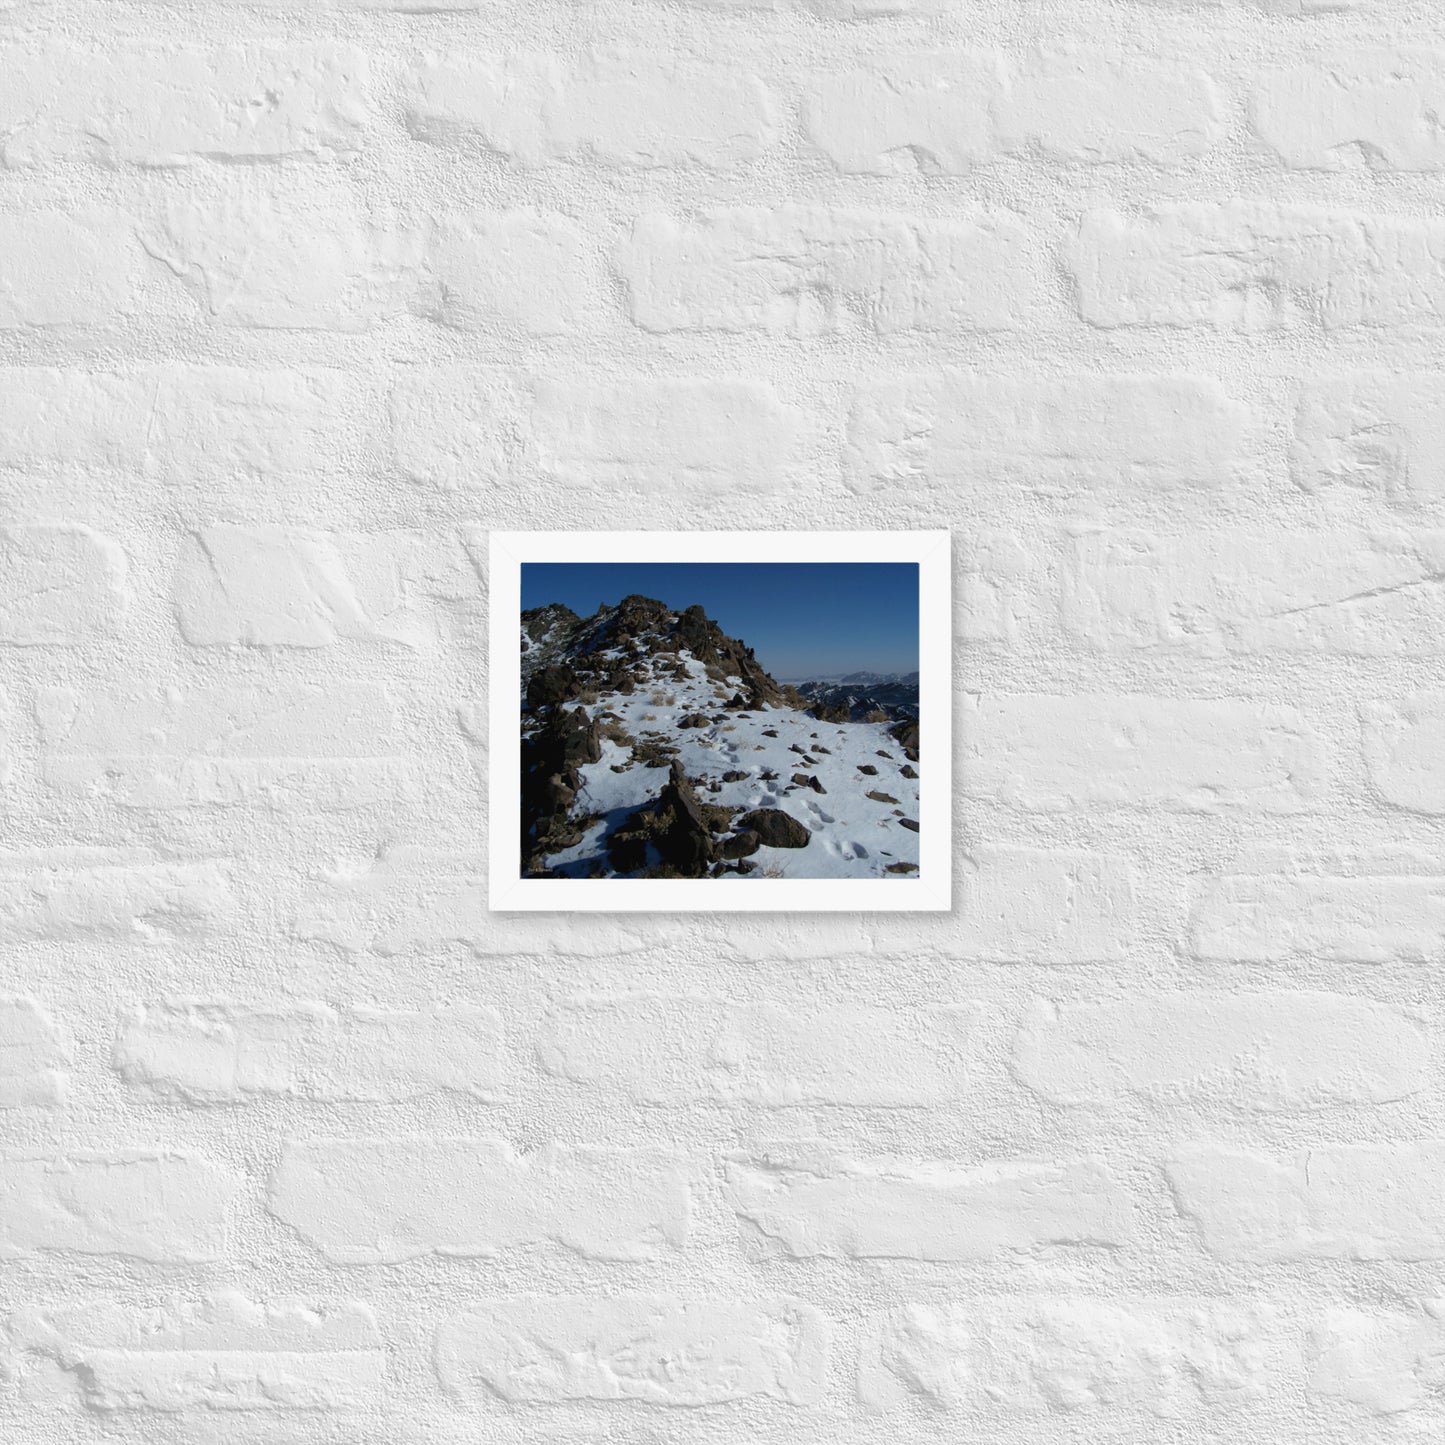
(800, 618)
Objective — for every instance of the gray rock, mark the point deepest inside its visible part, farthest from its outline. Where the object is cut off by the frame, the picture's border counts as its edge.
(775, 828)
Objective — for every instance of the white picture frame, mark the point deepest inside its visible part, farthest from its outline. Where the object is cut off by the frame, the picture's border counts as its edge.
(928, 891)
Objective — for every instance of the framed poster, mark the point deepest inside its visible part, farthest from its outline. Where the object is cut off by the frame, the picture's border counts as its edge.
(720, 720)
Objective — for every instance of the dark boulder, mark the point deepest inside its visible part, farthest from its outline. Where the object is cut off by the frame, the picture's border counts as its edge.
(906, 733)
(880, 797)
(734, 775)
(573, 736)
(869, 769)
(551, 685)
(694, 720)
(908, 770)
(740, 845)
(804, 781)
(910, 823)
(775, 828)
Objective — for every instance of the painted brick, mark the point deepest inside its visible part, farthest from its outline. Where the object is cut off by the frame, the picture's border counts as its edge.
(460, 428)
(378, 1201)
(331, 748)
(1298, 908)
(220, 1353)
(1354, 110)
(1259, 1051)
(262, 265)
(414, 899)
(522, 272)
(1253, 590)
(59, 583)
(930, 114)
(139, 105)
(1045, 905)
(453, 428)
(1252, 267)
(656, 1049)
(628, 110)
(1379, 1362)
(1339, 1201)
(271, 586)
(229, 1053)
(1075, 432)
(814, 1201)
(809, 271)
(655, 435)
(166, 1206)
(1382, 432)
(60, 894)
(995, 587)
(1086, 107)
(1047, 754)
(174, 423)
(658, 1351)
(32, 1051)
(1173, 1358)
(67, 269)
(1403, 750)
(303, 1144)
(410, 898)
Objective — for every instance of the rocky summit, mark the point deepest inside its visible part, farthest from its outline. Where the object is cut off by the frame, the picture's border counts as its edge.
(656, 746)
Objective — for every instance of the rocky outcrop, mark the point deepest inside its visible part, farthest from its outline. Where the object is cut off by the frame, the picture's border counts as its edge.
(906, 732)
(675, 826)
(551, 759)
(641, 627)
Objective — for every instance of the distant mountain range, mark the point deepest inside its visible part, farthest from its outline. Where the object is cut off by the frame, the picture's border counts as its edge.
(852, 679)
(863, 696)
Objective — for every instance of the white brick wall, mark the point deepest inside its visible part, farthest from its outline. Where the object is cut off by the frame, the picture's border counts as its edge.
(1144, 299)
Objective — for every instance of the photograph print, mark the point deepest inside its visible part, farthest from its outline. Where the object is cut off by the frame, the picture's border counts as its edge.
(720, 721)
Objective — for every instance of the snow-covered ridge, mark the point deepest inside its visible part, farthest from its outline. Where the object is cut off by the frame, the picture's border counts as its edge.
(650, 760)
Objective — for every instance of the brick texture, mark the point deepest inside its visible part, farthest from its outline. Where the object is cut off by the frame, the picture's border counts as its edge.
(1143, 300)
